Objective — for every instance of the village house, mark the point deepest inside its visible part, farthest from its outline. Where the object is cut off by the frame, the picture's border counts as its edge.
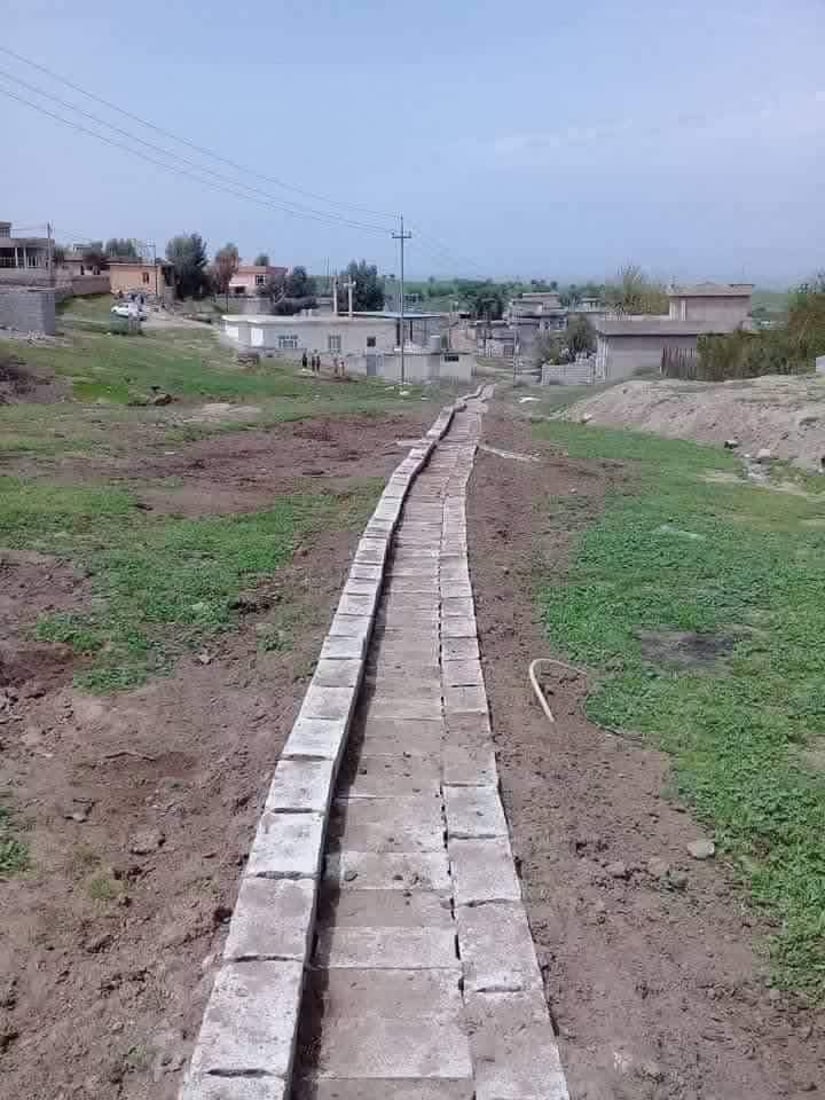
(153, 279)
(628, 344)
(24, 260)
(250, 279)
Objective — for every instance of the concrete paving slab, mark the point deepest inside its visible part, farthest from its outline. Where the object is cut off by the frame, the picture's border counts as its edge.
(301, 786)
(459, 626)
(287, 846)
(337, 672)
(379, 1088)
(470, 766)
(397, 994)
(250, 1022)
(375, 1046)
(470, 699)
(356, 586)
(410, 601)
(273, 919)
(388, 948)
(338, 648)
(514, 1053)
(391, 870)
(456, 590)
(316, 737)
(456, 605)
(497, 950)
(360, 571)
(417, 682)
(234, 1088)
(351, 604)
(474, 812)
(350, 626)
(391, 736)
(412, 823)
(467, 729)
(390, 776)
(462, 673)
(482, 870)
(353, 908)
(371, 552)
(460, 649)
(393, 706)
(335, 703)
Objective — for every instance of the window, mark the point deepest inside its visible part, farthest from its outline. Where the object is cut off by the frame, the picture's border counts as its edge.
(333, 343)
(370, 341)
(145, 277)
(239, 291)
(260, 280)
(287, 343)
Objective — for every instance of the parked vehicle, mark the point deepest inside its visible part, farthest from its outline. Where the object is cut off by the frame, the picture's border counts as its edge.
(130, 309)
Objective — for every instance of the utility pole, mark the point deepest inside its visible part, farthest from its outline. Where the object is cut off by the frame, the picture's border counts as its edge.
(350, 285)
(402, 237)
(155, 265)
(50, 254)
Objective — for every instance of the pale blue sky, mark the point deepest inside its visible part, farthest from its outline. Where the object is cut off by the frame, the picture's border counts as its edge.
(532, 139)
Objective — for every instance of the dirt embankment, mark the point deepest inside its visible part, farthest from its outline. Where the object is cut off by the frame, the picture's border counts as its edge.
(654, 967)
(784, 415)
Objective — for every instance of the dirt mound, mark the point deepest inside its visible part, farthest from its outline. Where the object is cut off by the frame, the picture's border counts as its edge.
(785, 415)
(19, 382)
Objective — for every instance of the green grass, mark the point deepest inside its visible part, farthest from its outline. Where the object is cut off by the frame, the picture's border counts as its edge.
(14, 854)
(161, 584)
(737, 732)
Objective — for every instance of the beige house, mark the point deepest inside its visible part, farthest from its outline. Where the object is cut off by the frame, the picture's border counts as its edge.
(23, 260)
(627, 344)
(142, 277)
(250, 279)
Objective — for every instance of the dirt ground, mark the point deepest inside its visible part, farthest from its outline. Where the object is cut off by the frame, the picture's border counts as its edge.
(139, 808)
(656, 992)
(784, 415)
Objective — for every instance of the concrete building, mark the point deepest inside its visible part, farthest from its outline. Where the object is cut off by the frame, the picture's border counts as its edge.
(23, 260)
(142, 277)
(369, 343)
(249, 279)
(628, 344)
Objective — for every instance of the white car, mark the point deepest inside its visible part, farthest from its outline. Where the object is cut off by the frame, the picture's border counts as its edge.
(130, 309)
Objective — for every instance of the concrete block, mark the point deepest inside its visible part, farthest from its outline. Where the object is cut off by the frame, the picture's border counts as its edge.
(273, 919)
(357, 605)
(388, 948)
(483, 870)
(353, 908)
(234, 1088)
(462, 673)
(386, 706)
(371, 552)
(375, 1046)
(338, 672)
(455, 590)
(460, 649)
(470, 766)
(467, 729)
(352, 647)
(514, 1053)
(301, 786)
(251, 1021)
(327, 702)
(361, 572)
(379, 1088)
(474, 812)
(457, 605)
(416, 682)
(287, 846)
(391, 776)
(358, 586)
(459, 626)
(391, 870)
(316, 737)
(471, 698)
(397, 994)
(413, 823)
(399, 735)
(350, 626)
(497, 950)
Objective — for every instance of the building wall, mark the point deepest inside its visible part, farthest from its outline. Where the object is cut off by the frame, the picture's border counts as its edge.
(130, 277)
(28, 309)
(298, 334)
(619, 356)
(580, 373)
(729, 312)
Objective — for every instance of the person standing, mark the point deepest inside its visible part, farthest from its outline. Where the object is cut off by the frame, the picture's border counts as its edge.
(304, 360)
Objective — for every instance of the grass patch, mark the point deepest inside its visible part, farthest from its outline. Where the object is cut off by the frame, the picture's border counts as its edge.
(680, 553)
(14, 853)
(161, 585)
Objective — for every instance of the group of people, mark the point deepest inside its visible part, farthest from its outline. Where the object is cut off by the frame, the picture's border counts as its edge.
(313, 362)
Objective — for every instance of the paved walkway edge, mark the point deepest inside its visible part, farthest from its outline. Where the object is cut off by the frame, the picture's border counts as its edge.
(246, 1045)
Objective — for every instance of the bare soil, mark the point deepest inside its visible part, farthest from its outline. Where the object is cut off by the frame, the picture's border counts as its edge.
(139, 808)
(21, 383)
(657, 983)
(786, 415)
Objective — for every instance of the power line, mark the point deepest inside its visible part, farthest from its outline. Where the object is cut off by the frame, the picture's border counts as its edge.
(270, 203)
(295, 207)
(190, 144)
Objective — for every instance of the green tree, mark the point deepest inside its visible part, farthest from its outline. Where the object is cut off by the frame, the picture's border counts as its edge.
(367, 291)
(187, 255)
(262, 259)
(633, 292)
(223, 270)
(121, 248)
(580, 335)
(298, 284)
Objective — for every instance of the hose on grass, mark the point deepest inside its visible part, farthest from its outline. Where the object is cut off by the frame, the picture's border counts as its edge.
(624, 735)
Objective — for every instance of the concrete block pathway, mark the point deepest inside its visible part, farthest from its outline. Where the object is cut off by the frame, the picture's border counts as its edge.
(424, 984)
(379, 926)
